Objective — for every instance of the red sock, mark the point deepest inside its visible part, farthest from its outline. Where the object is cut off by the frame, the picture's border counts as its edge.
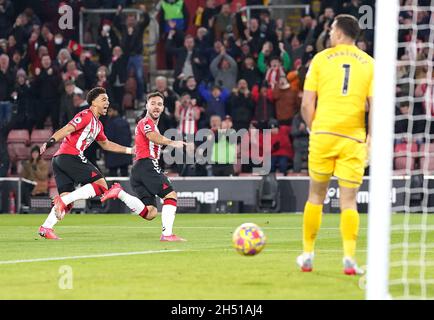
(144, 213)
(99, 189)
(170, 201)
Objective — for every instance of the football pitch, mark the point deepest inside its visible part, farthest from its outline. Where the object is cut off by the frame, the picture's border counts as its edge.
(121, 257)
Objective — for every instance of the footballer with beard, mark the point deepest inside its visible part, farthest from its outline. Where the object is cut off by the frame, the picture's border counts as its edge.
(147, 179)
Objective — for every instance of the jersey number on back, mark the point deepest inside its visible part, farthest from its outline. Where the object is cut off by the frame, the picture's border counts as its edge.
(347, 68)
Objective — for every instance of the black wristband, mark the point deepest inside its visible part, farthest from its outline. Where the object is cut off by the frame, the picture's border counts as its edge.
(51, 142)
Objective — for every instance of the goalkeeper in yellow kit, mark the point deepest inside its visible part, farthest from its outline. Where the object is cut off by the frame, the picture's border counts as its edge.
(337, 91)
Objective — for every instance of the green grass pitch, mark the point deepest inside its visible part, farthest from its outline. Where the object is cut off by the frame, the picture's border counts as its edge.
(121, 257)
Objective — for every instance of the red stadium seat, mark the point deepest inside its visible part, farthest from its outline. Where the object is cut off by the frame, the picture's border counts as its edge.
(404, 161)
(49, 153)
(18, 151)
(18, 136)
(427, 157)
(39, 136)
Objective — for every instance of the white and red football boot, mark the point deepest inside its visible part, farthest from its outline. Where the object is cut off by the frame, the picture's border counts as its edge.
(112, 193)
(172, 238)
(48, 233)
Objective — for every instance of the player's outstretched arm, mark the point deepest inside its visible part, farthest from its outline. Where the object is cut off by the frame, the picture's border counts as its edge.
(162, 140)
(368, 136)
(308, 107)
(57, 136)
(108, 145)
(370, 107)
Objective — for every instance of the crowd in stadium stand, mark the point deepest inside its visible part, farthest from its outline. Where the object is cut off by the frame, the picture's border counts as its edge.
(229, 72)
(415, 88)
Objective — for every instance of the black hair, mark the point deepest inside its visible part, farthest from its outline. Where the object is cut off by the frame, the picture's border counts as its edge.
(94, 93)
(349, 25)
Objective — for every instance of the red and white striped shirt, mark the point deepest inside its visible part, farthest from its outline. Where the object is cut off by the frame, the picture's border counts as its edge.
(145, 148)
(187, 120)
(88, 128)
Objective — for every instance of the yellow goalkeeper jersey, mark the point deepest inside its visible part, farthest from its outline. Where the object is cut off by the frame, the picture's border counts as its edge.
(342, 77)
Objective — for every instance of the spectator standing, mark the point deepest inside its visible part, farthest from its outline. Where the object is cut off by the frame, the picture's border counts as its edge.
(173, 11)
(59, 42)
(224, 150)
(187, 113)
(188, 59)
(117, 130)
(215, 99)
(62, 58)
(207, 14)
(107, 40)
(102, 80)
(36, 169)
(300, 138)
(45, 87)
(79, 102)
(190, 87)
(264, 105)
(67, 109)
(241, 106)
(118, 76)
(203, 40)
(275, 68)
(18, 61)
(4, 156)
(6, 88)
(281, 148)
(224, 70)
(22, 28)
(286, 100)
(73, 74)
(250, 72)
(223, 22)
(300, 45)
(167, 118)
(6, 18)
(24, 117)
(132, 44)
(89, 69)
(254, 36)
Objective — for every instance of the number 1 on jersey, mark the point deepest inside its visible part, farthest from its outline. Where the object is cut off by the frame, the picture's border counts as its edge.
(347, 68)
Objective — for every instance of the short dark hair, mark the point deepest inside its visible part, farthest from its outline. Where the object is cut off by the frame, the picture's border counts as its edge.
(349, 25)
(94, 93)
(154, 94)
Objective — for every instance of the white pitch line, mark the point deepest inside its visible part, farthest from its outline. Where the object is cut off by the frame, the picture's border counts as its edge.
(180, 227)
(104, 255)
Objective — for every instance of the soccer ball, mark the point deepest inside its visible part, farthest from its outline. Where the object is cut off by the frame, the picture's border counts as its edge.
(248, 239)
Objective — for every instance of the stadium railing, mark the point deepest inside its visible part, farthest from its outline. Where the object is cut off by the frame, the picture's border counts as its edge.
(223, 194)
(153, 29)
(271, 8)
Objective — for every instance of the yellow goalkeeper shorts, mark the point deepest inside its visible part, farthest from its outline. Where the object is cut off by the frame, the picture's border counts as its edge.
(332, 155)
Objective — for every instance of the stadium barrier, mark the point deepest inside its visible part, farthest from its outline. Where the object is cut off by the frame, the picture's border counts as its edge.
(210, 195)
(276, 10)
